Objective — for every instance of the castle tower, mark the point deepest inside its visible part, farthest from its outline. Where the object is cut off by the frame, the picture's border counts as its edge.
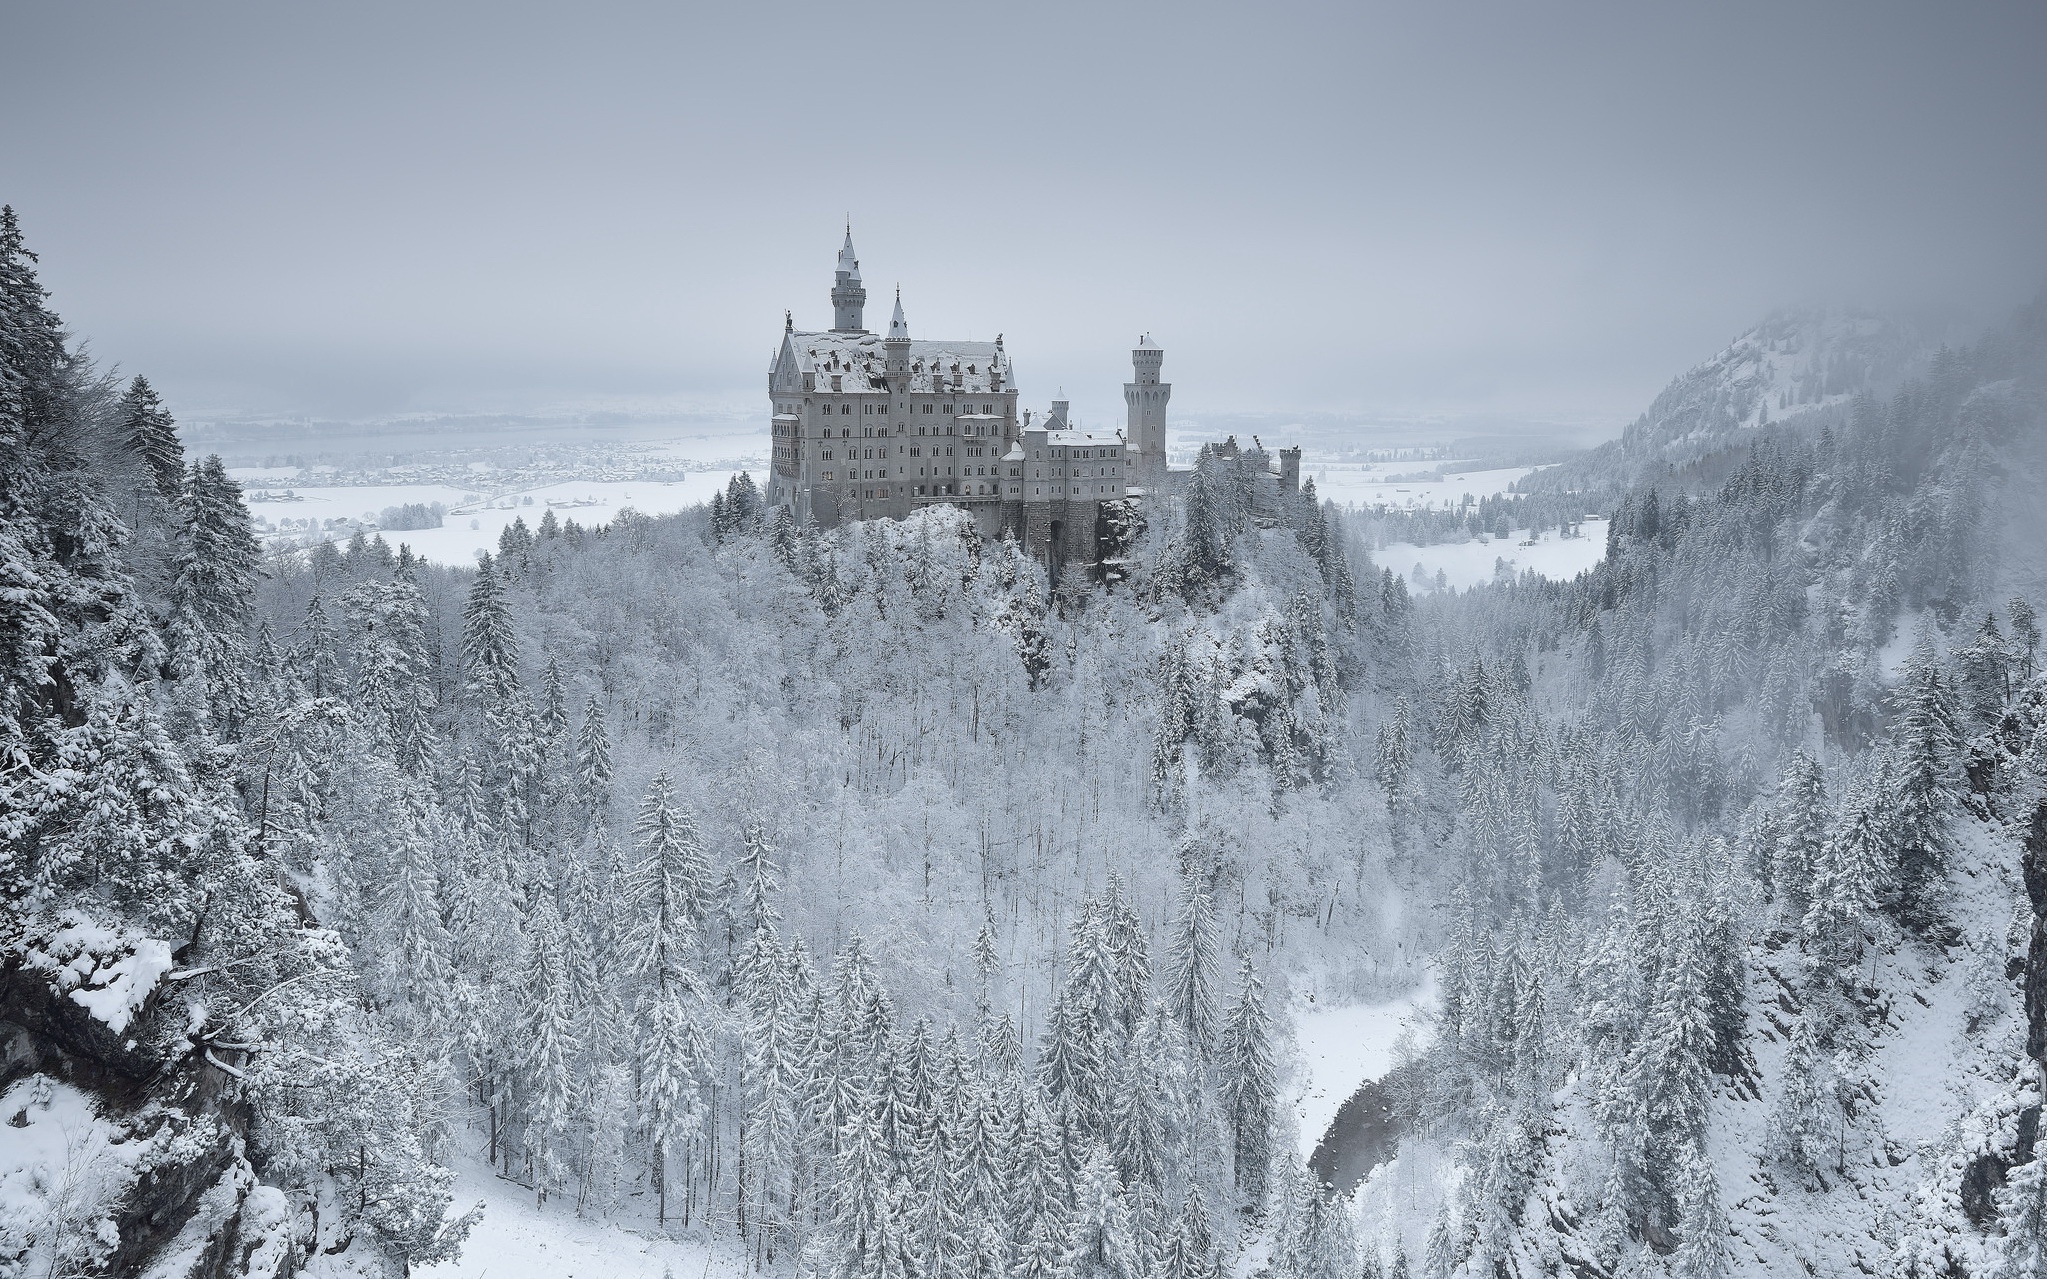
(897, 347)
(1145, 400)
(849, 299)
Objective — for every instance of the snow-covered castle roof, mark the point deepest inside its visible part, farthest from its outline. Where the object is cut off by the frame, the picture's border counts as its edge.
(861, 359)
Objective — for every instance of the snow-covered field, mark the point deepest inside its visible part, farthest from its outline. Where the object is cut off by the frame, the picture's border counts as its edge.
(1468, 564)
(1343, 1048)
(1368, 484)
(747, 444)
(517, 1239)
(475, 517)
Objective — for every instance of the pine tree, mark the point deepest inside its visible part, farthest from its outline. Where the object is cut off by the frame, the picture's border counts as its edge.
(490, 649)
(1191, 960)
(317, 652)
(669, 897)
(1926, 741)
(149, 436)
(674, 882)
(1856, 862)
(1800, 828)
(2025, 634)
(1100, 1243)
(1250, 1085)
(1702, 1246)
(213, 594)
(593, 757)
(548, 1051)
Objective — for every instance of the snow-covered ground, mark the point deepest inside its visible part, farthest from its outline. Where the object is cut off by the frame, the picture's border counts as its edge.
(474, 517)
(1368, 484)
(1468, 564)
(59, 1165)
(1341, 1048)
(517, 1239)
(738, 445)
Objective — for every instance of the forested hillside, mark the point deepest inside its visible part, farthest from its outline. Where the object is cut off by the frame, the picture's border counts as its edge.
(868, 902)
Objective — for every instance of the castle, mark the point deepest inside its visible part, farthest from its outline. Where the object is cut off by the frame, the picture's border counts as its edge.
(938, 424)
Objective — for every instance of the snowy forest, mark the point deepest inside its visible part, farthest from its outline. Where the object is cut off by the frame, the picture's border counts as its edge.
(870, 902)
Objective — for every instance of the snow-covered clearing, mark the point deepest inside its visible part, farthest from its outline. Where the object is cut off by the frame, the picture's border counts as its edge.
(1468, 564)
(517, 1239)
(474, 517)
(1342, 1048)
(1368, 484)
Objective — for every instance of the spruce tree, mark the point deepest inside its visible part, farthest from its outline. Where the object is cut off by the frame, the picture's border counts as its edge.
(1250, 1085)
(490, 649)
(548, 1051)
(593, 757)
(1191, 960)
(213, 594)
(1925, 745)
(149, 436)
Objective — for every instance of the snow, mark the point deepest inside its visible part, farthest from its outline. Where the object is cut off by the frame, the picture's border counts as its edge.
(109, 974)
(1473, 563)
(1911, 626)
(1343, 1048)
(58, 1165)
(474, 521)
(1380, 484)
(518, 1239)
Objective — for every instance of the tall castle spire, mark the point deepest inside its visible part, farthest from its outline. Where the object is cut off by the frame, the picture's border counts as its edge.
(849, 298)
(897, 348)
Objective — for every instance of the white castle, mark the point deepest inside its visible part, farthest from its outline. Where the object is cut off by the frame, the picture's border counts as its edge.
(868, 427)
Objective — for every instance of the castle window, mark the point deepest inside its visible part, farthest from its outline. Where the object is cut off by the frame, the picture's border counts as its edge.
(927, 408)
(987, 408)
(948, 408)
(846, 408)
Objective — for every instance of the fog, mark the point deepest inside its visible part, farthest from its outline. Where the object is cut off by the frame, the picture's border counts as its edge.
(1476, 210)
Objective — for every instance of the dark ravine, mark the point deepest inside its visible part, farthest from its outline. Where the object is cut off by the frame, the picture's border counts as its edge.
(1364, 1134)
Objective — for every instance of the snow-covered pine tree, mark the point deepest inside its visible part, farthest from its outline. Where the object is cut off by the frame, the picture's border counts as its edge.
(213, 593)
(1192, 958)
(150, 437)
(1925, 744)
(1249, 1085)
(549, 1052)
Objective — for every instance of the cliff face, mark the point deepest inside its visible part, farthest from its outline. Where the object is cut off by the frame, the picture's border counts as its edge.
(122, 1151)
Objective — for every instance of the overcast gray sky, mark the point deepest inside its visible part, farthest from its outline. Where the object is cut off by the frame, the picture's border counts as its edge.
(1546, 209)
